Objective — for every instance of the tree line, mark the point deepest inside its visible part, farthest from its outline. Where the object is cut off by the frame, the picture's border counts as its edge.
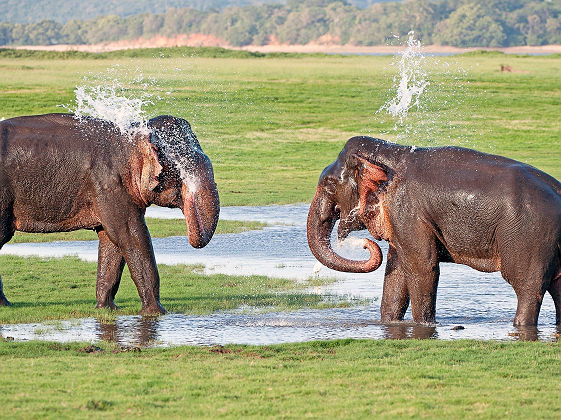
(462, 23)
(29, 11)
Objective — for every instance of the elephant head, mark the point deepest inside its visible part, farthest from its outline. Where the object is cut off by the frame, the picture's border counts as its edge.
(350, 190)
(174, 172)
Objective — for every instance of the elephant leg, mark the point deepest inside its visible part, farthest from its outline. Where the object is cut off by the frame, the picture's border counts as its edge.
(3, 300)
(528, 309)
(422, 290)
(395, 297)
(6, 233)
(109, 270)
(413, 260)
(419, 260)
(530, 286)
(144, 273)
(555, 292)
(131, 236)
(530, 272)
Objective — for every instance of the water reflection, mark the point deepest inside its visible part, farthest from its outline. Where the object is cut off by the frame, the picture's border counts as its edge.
(141, 331)
(400, 331)
(262, 329)
(483, 304)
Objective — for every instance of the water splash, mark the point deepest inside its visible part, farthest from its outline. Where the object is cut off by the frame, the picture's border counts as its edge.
(317, 268)
(350, 243)
(123, 95)
(429, 100)
(345, 247)
(108, 103)
(116, 96)
(192, 182)
(410, 82)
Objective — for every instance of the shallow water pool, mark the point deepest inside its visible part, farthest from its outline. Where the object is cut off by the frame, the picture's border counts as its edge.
(482, 303)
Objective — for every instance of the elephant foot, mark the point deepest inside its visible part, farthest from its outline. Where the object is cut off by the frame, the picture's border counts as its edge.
(392, 315)
(108, 305)
(155, 309)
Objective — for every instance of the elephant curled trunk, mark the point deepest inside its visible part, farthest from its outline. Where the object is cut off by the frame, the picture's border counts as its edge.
(321, 220)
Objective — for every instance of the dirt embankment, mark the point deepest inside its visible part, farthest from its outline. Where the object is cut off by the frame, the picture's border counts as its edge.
(325, 44)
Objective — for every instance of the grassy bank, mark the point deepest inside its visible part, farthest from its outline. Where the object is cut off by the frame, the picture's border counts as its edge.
(62, 288)
(159, 228)
(343, 379)
(270, 125)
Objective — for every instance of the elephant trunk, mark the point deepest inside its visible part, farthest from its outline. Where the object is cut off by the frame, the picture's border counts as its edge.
(201, 208)
(321, 220)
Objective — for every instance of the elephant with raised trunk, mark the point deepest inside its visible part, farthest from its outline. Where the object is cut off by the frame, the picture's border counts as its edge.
(442, 204)
(62, 173)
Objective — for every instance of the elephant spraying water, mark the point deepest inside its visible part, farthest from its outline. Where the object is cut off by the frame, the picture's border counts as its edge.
(444, 204)
(62, 173)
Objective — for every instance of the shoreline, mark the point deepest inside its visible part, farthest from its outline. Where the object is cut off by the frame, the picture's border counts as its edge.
(390, 50)
(199, 40)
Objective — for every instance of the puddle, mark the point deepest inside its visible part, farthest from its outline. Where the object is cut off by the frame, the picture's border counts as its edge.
(484, 304)
(265, 329)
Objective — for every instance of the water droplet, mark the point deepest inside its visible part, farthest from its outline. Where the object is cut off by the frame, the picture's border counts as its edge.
(106, 97)
(411, 81)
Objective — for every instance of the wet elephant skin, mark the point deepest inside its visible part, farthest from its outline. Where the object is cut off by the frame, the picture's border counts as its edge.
(442, 204)
(62, 173)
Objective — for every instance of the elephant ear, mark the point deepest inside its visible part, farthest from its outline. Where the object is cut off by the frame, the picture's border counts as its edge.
(370, 176)
(151, 166)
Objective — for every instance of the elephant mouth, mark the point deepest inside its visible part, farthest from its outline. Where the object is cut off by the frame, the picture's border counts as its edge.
(348, 224)
(322, 217)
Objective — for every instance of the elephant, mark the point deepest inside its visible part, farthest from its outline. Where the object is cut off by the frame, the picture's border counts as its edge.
(440, 204)
(60, 172)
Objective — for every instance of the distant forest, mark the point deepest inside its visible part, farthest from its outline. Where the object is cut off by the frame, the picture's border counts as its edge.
(462, 23)
(29, 11)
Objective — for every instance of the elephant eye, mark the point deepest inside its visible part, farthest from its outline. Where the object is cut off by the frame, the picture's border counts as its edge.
(330, 186)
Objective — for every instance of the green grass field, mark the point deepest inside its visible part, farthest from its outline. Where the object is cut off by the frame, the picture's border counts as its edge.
(64, 288)
(338, 379)
(270, 125)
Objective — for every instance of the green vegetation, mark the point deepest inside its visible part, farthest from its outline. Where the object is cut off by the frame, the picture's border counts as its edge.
(479, 23)
(175, 52)
(159, 228)
(338, 379)
(29, 11)
(63, 288)
(271, 124)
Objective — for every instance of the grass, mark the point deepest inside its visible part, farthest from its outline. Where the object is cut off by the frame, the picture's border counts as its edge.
(159, 52)
(337, 379)
(271, 124)
(159, 228)
(63, 288)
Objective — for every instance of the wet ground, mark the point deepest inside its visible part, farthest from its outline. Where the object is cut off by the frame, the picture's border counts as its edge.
(470, 304)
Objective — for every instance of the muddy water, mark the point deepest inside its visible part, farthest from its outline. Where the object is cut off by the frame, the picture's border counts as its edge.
(483, 304)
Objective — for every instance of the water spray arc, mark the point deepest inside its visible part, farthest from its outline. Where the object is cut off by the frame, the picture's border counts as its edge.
(410, 82)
